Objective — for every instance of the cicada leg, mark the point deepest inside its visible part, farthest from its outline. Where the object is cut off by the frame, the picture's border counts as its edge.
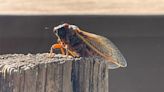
(69, 52)
(74, 54)
(56, 46)
(66, 48)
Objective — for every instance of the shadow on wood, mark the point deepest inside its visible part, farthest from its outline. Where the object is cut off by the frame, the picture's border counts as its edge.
(37, 73)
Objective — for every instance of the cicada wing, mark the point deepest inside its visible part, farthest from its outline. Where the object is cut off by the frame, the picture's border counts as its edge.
(105, 47)
(113, 51)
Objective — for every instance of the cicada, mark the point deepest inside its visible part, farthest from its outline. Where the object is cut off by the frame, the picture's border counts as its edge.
(73, 41)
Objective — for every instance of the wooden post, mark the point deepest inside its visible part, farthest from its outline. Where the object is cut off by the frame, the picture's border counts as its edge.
(37, 73)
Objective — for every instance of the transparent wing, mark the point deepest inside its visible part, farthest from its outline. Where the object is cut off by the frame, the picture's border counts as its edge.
(105, 47)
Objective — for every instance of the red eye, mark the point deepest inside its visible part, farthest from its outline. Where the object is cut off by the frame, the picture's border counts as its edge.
(66, 25)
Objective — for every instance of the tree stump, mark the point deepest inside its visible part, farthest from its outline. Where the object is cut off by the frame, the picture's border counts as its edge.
(38, 73)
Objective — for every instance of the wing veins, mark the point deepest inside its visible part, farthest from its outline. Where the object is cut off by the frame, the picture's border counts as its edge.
(97, 51)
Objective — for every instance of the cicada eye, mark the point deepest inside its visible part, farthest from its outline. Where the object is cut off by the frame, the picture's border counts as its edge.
(66, 25)
(55, 31)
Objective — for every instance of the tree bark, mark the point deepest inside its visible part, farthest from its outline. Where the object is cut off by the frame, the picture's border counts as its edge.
(37, 73)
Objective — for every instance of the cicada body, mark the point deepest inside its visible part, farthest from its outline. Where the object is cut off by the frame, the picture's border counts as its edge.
(77, 43)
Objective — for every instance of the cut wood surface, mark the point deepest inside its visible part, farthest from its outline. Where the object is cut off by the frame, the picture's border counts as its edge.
(38, 73)
(75, 7)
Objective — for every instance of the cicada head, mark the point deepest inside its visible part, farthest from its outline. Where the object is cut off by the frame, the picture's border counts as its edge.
(65, 30)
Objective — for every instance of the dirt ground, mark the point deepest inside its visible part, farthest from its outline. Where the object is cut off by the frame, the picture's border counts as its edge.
(100, 7)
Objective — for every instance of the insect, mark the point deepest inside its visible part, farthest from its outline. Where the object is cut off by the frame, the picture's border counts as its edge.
(71, 40)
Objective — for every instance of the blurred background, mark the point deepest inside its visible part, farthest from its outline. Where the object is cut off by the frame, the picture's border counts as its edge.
(135, 27)
(140, 39)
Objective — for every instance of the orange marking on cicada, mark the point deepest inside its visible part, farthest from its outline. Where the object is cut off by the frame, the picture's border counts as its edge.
(57, 46)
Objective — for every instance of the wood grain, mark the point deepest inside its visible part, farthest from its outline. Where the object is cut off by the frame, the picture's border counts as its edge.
(37, 73)
(81, 7)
